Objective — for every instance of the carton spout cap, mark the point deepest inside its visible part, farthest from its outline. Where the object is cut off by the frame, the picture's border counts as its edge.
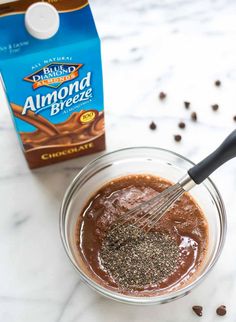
(42, 20)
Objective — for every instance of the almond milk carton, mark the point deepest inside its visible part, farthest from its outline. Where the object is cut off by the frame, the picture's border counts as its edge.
(50, 65)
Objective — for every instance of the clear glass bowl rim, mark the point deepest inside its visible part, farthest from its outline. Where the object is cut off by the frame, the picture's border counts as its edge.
(160, 299)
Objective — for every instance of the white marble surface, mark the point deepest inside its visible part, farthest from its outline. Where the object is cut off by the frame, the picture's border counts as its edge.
(178, 46)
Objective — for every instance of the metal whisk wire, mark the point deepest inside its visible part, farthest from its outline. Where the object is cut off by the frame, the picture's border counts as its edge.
(139, 209)
(147, 214)
(162, 208)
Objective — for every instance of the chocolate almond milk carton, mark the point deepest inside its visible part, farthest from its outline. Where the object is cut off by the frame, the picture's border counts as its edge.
(50, 66)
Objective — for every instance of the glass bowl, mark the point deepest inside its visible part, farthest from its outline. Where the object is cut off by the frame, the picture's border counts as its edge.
(140, 160)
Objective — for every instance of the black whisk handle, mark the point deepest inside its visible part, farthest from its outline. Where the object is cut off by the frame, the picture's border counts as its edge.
(225, 152)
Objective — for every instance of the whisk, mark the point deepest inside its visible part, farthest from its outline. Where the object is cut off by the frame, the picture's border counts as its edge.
(148, 213)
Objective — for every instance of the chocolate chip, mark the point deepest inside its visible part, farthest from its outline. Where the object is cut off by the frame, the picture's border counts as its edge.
(162, 95)
(217, 83)
(187, 105)
(221, 310)
(197, 309)
(215, 107)
(194, 116)
(234, 118)
(152, 126)
(177, 137)
(181, 125)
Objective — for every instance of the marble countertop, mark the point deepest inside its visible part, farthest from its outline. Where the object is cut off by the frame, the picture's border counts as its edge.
(180, 47)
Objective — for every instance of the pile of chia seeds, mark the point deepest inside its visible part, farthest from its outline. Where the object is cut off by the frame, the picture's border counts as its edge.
(135, 259)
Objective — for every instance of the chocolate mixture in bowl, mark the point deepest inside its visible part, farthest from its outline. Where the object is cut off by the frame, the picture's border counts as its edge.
(128, 260)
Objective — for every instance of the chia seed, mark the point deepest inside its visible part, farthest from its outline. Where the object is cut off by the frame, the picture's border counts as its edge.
(135, 259)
